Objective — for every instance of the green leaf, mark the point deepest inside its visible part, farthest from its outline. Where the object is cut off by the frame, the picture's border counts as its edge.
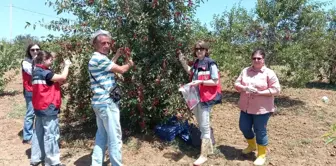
(27, 24)
(330, 140)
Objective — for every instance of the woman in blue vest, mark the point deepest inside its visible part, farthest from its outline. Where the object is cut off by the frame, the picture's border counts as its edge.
(27, 65)
(46, 103)
(204, 74)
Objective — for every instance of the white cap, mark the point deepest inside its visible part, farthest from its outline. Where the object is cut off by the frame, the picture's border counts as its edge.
(99, 32)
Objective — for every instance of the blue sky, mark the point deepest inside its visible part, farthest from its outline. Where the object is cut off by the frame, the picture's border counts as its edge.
(36, 10)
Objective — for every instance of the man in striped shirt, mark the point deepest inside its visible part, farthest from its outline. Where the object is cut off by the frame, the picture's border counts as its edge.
(107, 112)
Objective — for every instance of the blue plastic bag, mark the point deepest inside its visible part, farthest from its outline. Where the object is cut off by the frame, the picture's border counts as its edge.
(170, 130)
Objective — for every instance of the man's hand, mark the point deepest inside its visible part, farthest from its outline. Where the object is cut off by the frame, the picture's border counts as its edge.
(120, 52)
(130, 62)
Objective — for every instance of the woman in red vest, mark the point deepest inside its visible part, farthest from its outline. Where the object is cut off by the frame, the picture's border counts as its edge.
(27, 65)
(46, 103)
(204, 74)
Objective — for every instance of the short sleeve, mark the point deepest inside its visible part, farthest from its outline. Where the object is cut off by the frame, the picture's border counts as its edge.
(273, 82)
(214, 72)
(48, 76)
(27, 67)
(105, 64)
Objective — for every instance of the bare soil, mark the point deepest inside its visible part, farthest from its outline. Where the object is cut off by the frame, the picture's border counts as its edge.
(294, 134)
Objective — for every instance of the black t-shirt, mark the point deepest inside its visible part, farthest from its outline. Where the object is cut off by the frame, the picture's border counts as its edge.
(48, 78)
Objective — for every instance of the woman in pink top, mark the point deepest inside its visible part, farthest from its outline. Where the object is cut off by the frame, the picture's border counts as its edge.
(257, 85)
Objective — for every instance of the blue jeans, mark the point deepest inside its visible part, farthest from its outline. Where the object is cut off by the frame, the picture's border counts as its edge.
(259, 125)
(45, 141)
(108, 133)
(29, 118)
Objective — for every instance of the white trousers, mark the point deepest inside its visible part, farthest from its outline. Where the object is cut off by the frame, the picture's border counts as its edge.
(203, 119)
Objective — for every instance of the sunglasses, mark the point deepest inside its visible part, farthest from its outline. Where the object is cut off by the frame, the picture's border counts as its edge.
(199, 49)
(35, 50)
(257, 59)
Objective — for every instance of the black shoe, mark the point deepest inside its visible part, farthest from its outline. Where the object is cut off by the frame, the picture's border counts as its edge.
(35, 164)
(26, 141)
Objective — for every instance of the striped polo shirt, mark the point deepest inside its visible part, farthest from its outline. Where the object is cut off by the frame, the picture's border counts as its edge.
(100, 68)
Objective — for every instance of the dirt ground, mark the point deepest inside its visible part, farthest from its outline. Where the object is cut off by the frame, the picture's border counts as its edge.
(294, 134)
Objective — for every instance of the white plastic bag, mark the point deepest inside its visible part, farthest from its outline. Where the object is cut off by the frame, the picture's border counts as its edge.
(190, 95)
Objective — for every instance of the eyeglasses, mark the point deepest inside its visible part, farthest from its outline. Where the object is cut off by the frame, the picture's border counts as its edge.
(199, 49)
(257, 59)
(34, 50)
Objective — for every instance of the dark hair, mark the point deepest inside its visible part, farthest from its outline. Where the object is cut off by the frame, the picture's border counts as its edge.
(259, 51)
(28, 55)
(41, 56)
(203, 45)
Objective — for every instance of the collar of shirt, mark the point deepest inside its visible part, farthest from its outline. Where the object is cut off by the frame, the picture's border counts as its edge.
(28, 59)
(258, 70)
(98, 53)
(42, 66)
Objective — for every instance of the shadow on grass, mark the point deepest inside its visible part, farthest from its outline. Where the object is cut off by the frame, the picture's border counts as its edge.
(321, 85)
(76, 135)
(232, 153)
(28, 153)
(280, 101)
(78, 131)
(182, 148)
(9, 93)
(20, 134)
(86, 160)
(83, 161)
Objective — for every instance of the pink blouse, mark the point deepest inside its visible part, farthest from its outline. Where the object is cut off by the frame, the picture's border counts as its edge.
(262, 79)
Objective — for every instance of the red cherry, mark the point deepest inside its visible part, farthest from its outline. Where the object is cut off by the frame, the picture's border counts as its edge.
(91, 2)
(127, 51)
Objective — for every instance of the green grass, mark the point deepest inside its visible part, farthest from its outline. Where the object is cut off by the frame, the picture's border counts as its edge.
(305, 141)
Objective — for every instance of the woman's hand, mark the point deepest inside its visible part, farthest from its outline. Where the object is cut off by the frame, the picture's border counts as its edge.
(67, 63)
(181, 57)
(183, 62)
(196, 82)
(266, 92)
(250, 89)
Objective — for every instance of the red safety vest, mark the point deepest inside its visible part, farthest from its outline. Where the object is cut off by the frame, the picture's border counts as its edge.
(207, 93)
(43, 94)
(26, 79)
